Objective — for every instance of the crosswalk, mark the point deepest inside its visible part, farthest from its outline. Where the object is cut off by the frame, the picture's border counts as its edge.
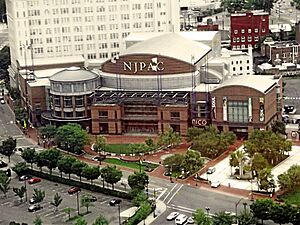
(291, 98)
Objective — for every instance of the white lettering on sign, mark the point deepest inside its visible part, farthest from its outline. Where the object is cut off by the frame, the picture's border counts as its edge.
(199, 122)
(213, 107)
(135, 67)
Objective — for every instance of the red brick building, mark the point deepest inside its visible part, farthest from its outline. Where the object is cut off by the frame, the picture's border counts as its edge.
(248, 29)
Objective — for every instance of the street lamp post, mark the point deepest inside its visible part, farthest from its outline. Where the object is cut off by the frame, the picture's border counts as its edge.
(119, 210)
(154, 215)
(77, 196)
(25, 190)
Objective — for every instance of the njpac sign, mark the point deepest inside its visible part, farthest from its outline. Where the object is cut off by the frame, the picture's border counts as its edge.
(135, 67)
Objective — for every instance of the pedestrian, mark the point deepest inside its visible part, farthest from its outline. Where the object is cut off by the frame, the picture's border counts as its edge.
(229, 185)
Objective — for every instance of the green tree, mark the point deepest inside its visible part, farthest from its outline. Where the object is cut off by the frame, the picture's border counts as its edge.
(65, 163)
(80, 221)
(192, 161)
(174, 161)
(279, 214)
(169, 138)
(48, 131)
(91, 173)
(41, 160)
(139, 198)
(20, 168)
(52, 156)
(246, 218)
(4, 183)
(261, 209)
(233, 162)
(223, 218)
(111, 175)
(150, 143)
(86, 202)
(99, 146)
(258, 163)
(290, 180)
(138, 180)
(20, 192)
(72, 137)
(193, 132)
(101, 220)
(68, 211)
(278, 127)
(38, 195)
(77, 168)
(29, 155)
(56, 201)
(201, 218)
(37, 221)
(265, 180)
(8, 147)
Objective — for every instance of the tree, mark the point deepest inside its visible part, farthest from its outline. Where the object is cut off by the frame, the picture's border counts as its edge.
(8, 147)
(56, 200)
(201, 218)
(80, 221)
(290, 180)
(48, 131)
(68, 210)
(150, 143)
(29, 155)
(72, 137)
(278, 127)
(279, 214)
(38, 195)
(101, 220)
(246, 218)
(4, 183)
(265, 180)
(222, 218)
(37, 221)
(111, 175)
(20, 168)
(261, 209)
(52, 156)
(138, 180)
(65, 164)
(86, 202)
(233, 162)
(100, 145)
(169, 138)
(20, 192)
(77, 168)
(193, 132)
(258, 163)
(192, 161)
(41, 160)
(91, 172)
(139, 198)
(240, 157)
(174, 161)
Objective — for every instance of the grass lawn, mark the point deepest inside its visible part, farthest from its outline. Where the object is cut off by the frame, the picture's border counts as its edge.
(292, 198)
(118, 148)
(132, 165)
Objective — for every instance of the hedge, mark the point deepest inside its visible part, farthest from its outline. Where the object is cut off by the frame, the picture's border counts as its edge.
(141, 214)
(87, 186)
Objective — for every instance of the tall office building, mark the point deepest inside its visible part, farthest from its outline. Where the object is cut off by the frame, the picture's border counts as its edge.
(94, 29)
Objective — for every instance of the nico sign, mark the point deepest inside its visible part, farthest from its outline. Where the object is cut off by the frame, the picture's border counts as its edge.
(135, 67)
(199, 122)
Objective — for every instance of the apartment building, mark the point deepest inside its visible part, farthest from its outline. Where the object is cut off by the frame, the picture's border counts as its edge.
(94, 29)
(248, 29)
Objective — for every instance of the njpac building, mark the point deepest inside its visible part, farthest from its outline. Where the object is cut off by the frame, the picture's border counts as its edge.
(164, 81)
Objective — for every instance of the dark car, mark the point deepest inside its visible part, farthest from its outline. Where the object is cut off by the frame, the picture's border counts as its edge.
(2, 164)
(74, 190)
(25, 177)
(93, 198)
(34, 207)
(114, 202)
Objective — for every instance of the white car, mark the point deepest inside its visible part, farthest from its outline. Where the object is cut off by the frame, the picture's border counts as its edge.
(190, 220)
(2, 101)
(211, 170)
(172, 215)
(215, 184)
(181, 219)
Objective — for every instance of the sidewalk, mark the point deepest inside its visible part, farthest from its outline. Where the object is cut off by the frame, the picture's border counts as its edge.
(160, 209)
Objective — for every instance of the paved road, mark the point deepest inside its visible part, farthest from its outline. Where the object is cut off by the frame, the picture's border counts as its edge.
(292, 92)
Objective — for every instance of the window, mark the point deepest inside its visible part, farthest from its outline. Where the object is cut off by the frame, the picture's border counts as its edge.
(175, 115)
(249, 31)
(237, 39)
(79, 101)
(103, 114)
(68, 101)
(68, 114)
(249, 38)
(249, 46)
(241, 68)
(234, 39)
(284, 55)
(243, 31)
(57, 101)
(243, 47)
(238, 111)
(233, 68)
(263, 30)
(57, 113)
(80, 114)
(243, 39)
(256, 30)
(201, 109)
(256, 38)
(235, 31)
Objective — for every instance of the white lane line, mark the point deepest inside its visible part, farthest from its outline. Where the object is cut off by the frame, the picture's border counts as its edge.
(175, 193)
(181, 208)
(170, 192)
(161, 194)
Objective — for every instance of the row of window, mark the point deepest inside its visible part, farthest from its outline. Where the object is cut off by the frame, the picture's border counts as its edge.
(242, 31)
(70, 114)
(243, 39)
(68, 102)
(237, 47)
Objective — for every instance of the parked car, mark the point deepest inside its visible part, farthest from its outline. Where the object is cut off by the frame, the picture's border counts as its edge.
(3, 164)
(115, 201)
(34, 207)
(93, 198)
(211, 170)
(190, 220)
(181, 219)
(34, 180)
(74, 190)
(215, 184)
(2, 101)
(172, 215)
(32, 201)
(25, 177)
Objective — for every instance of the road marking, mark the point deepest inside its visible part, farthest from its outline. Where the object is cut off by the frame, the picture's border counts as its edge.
(170, 192)
(161, 194)
(103, 202)
(5, 203)
(181, 208)
(175, 193)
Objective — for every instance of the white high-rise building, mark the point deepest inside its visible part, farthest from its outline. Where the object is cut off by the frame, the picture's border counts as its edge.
(94, 29)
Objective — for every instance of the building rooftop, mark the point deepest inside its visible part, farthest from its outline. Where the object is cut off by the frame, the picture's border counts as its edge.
(283, 44)
(39, 82)
(171, 45)
(257, 82)
(254, 12)
(73, 74)
(276, 28)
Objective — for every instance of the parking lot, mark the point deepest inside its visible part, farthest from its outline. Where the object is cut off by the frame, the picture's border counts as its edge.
(13, 210)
